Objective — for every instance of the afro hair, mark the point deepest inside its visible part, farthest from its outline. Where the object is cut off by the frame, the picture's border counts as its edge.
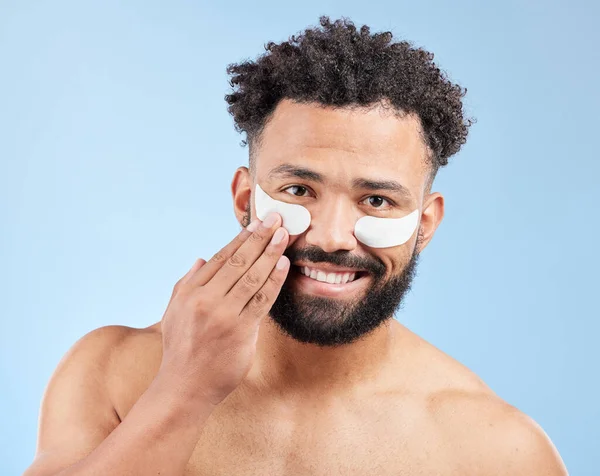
(339, 66)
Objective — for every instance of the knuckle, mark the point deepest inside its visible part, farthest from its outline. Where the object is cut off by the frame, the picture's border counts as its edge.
(260, 299)
(202, 304)
(219, 257)
(273, 281)
(237, 261)
(221, 326)
(180, 290)
(251, 279)
(177, 287)
(256, 237)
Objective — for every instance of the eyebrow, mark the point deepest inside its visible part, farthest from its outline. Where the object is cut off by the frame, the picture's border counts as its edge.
(389, 185)
(288, 170)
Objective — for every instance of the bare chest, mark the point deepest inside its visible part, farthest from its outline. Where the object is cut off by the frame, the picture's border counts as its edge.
(318, 441)
(370, 433)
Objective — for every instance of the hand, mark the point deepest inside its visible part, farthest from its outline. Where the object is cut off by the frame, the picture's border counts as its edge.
(210, 326)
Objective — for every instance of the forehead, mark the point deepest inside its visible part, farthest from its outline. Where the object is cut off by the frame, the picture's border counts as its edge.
(343, 141)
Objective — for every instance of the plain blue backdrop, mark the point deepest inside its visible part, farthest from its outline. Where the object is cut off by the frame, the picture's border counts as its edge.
(116, 155)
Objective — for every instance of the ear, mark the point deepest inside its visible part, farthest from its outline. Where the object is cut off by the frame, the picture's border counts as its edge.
(241, 189)
(431, 217)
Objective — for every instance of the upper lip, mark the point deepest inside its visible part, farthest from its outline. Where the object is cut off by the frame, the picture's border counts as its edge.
(328, 267)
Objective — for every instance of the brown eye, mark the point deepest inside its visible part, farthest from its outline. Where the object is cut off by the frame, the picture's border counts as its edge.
(297, 190)
(376, 201)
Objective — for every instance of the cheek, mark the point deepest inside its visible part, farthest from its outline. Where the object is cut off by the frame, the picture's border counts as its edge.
(395, 262)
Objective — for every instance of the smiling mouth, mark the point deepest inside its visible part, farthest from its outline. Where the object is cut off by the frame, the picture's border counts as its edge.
(330, 277)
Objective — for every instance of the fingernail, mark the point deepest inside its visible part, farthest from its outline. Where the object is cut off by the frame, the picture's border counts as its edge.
(270, 220)
(253, 226)
(282, 262)
(278, 236)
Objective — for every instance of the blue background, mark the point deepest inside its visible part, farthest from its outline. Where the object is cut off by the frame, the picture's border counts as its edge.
(116, 155)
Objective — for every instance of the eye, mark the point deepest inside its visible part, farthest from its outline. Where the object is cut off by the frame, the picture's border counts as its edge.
(296, 190)
(376, 201)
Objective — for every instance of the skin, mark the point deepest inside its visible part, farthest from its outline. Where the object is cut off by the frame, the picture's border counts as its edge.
(387, 404)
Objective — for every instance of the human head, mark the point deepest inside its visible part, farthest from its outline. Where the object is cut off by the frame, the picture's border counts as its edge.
(343, 116)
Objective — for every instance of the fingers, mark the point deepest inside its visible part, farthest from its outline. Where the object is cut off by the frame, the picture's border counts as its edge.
(239, 262)
(187, 276)
(256, 276)
(197, 265)
(262, 301)
(204, 275)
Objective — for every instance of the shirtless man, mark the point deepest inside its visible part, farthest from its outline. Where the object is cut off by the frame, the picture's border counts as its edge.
(258, 369)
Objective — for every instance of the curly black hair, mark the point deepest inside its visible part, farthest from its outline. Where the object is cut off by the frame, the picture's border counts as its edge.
(338, 66)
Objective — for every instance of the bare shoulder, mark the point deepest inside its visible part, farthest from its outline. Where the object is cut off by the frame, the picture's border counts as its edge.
(132, 357)
(487, 432)
(120, 359)
(79, 408)
(104, 346)
(94, 350)
(487, 435)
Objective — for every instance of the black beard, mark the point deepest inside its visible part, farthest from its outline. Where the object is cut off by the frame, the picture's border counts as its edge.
(328, 322)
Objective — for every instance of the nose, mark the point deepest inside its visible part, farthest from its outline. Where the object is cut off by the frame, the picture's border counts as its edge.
(332, 226)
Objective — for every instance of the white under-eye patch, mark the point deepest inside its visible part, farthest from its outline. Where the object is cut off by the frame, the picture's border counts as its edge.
(296, 218)
(379, 232)
(375, 232)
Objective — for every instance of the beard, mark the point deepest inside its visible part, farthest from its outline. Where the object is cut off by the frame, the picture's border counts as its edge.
(330, 322)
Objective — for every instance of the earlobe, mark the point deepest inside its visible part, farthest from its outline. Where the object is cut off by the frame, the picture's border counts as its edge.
(241, 188)
(433, 213)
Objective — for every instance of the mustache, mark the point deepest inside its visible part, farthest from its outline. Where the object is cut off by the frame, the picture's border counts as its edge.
(341, 258)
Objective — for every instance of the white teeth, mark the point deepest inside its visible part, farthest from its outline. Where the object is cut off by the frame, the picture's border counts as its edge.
(330, 278)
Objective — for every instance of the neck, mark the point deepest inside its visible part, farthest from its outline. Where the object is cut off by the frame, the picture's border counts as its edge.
(288, 365)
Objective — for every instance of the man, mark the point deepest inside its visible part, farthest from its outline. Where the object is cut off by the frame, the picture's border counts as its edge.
(280, 355)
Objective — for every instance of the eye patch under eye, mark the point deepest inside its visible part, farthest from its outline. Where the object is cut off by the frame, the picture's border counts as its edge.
(379, 232)
(296, 218)
(374, 232)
